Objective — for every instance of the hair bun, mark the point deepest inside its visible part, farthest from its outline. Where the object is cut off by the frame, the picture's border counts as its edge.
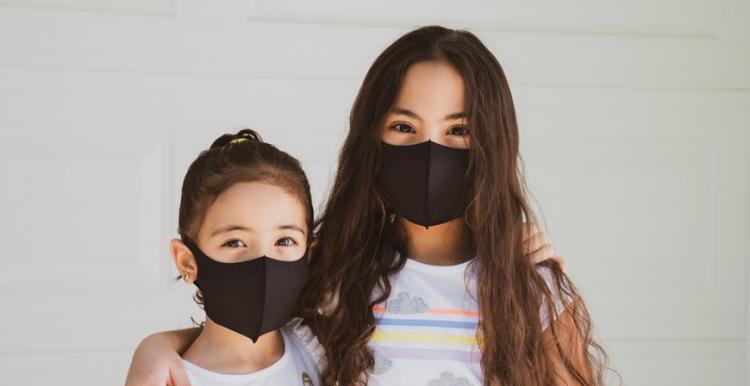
(243, 135)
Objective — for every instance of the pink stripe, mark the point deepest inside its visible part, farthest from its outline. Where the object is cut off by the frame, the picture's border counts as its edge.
(429, 354)
(436, 311)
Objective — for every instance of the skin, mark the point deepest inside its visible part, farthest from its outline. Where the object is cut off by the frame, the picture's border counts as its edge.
(248, 220)
(430, 106)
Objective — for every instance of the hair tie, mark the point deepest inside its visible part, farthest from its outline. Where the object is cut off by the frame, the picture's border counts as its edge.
(238, 140)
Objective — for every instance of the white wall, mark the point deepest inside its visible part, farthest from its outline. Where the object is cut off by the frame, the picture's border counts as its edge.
(635, 119)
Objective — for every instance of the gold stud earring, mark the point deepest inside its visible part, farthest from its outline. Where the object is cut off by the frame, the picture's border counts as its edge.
(186, 277)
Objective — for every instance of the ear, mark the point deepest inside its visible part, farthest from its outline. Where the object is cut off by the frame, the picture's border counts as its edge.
(184, 260)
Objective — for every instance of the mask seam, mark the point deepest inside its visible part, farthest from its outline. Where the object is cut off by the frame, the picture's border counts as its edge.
(427, 191)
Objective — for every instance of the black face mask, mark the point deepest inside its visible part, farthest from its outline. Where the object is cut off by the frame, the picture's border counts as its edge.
(425, 183)
(251, 297)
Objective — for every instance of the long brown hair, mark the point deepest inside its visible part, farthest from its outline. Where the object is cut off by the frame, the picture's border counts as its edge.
(357, 248)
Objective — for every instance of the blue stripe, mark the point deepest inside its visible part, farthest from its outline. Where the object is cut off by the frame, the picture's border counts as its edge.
(428, 323)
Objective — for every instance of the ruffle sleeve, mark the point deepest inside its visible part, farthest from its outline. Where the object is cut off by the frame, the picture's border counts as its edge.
(309, 341)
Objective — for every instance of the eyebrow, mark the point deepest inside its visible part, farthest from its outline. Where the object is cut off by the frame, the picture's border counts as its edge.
(293, 228)
(409, 113)
(230, 228)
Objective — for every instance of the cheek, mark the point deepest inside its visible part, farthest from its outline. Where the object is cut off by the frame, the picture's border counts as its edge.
(391, 137)
(295, 253)
(290, 253)
(384, 135)
(387, 135)
(383, 130)
(459, 142)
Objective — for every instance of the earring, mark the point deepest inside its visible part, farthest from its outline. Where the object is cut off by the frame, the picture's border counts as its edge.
(392, 218)
(186, 277)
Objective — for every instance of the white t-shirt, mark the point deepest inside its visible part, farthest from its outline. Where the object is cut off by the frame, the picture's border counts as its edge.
(426, 331)
(297, 366)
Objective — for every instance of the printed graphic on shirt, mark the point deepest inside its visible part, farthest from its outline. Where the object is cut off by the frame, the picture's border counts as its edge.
(382, 363)
(448, 379)
(404, 304)
(409, 329)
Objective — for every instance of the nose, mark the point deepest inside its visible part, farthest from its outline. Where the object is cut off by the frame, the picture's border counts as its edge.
(432, 131)
(255, 251)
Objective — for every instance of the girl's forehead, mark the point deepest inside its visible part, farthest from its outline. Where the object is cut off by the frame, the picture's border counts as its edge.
(432, 87)
(257, 205)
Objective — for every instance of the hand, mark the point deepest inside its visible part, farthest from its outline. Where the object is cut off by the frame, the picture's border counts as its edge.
(155, 363)
(539, 247)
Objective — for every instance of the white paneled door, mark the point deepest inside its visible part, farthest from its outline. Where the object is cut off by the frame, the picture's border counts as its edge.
(635, 119)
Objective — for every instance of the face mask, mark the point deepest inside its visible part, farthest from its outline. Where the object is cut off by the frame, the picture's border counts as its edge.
(425, 183)
(251, 297)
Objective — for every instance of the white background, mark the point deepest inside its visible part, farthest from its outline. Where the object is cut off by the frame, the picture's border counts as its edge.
(635, 117)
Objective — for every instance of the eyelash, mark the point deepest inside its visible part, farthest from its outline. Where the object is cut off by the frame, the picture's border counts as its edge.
(233, 240)
(286, 238)
(227, 244)
(411, 129)
(465, 130)
(396, 125)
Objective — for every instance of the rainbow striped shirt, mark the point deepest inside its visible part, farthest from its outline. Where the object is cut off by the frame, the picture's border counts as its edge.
(426, 332)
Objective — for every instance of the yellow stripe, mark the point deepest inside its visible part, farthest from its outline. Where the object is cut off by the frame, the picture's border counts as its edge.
(423, 338)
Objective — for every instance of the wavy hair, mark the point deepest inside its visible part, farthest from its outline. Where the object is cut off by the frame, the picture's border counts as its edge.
(357, 248)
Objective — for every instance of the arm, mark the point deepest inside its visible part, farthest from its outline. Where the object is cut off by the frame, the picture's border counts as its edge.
(572, 346)
(157, 362)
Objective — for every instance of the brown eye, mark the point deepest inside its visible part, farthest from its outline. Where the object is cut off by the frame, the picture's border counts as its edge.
(234, 243)
(286, 242)
(458, 130)
(403, 128)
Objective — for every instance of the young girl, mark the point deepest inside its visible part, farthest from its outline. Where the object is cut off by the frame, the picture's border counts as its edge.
(419, 274)
(245, 223)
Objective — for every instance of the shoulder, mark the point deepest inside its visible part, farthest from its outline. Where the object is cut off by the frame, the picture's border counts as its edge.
(306, 343)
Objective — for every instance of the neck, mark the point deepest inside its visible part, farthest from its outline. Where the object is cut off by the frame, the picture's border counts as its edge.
(222, 350)
(443, 244)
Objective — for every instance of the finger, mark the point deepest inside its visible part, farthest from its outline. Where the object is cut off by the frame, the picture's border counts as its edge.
(537, 242)
(542, 253)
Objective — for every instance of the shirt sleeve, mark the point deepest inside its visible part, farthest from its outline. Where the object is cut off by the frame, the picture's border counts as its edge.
(559, 300)
(309, 342)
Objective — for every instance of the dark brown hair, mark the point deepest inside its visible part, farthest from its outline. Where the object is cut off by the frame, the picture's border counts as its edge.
(357, 248)
(233, 158)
